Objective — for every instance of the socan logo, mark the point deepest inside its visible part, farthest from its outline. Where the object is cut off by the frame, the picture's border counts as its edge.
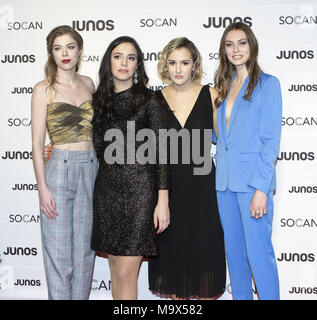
(287, 20)
(25, 25)
(24, 218)
(158, 22)
(101, 285)
(298, 223)
(17, 122)
(299, 121)
(223, 22)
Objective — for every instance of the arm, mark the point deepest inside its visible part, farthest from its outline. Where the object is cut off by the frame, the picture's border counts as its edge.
(270, 132)
(214, 95)
(38, 115)
(157, 121)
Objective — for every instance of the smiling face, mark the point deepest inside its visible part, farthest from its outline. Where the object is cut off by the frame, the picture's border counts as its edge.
(237, 48)
(180, 66)
(123, 62)
(66, 52)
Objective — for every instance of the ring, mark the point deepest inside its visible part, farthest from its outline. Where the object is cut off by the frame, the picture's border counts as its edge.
(257, 213)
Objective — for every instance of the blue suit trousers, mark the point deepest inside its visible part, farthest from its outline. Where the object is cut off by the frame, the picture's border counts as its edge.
(249, 247)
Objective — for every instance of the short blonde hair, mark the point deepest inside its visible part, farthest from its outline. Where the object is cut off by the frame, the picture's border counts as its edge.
(178, 43)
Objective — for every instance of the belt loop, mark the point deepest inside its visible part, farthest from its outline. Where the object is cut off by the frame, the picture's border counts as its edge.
(66, 156)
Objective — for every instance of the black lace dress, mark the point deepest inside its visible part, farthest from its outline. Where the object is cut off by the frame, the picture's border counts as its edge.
(191, 261)
(126, 193)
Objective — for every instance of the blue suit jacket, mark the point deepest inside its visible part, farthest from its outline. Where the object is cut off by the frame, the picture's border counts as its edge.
(247, 152)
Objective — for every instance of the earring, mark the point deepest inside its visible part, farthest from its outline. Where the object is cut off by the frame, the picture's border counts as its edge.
(135, 78)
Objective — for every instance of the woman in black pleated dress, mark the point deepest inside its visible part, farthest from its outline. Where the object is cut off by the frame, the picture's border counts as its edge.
(191, 260)
(130, 203)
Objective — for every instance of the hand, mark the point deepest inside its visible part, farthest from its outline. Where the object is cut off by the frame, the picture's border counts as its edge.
(47, 203)
(161, 216)
(47, 152)
(258, 204)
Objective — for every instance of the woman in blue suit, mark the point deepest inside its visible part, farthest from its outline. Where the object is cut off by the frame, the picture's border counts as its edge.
(249, 119)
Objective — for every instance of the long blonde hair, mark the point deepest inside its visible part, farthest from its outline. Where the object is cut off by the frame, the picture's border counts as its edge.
(223, 74)
(50, 66)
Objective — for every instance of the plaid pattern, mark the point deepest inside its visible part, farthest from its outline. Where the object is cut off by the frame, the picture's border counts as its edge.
(68, 259)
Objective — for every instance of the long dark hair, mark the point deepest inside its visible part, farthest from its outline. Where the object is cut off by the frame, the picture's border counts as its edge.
(103, 97)
(226, 69)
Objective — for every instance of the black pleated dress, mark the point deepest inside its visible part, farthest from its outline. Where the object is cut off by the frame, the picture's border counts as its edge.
(191, 261)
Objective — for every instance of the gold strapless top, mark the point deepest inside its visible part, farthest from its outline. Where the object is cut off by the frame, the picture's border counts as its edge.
(67, 123)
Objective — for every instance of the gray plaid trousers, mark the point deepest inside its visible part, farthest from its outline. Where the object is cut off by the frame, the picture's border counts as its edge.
(68, 259)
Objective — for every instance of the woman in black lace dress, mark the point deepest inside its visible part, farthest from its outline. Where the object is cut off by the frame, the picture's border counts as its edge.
(130, 195)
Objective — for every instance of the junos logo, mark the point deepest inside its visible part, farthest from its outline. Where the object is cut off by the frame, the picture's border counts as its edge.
(296, 257)
(303, 87)
(17, 155)
(20, 251)
(303, 290)
(151, 56)
(22, 90)
(92, 25)
(296, 156)
(223, 22)
(303, 189)
(28, 283)
(17, 58)
(295, 54)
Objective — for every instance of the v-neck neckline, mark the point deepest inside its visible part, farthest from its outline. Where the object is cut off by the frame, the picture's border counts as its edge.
(234, 103)
(191, 111)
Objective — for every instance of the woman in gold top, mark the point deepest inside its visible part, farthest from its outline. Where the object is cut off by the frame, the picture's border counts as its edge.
(62, 104)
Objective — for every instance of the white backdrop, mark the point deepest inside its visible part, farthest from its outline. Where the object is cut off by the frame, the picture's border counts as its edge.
(286, 31)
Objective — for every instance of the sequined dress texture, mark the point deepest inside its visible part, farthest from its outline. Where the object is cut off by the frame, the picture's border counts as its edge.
(125, 195)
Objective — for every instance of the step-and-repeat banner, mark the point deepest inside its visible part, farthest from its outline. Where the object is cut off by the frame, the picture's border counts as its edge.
(287, 33)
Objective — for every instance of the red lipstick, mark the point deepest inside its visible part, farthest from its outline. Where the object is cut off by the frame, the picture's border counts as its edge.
(66, 61)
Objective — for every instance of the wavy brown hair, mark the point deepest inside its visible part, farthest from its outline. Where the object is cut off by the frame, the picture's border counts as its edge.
(226, 69)
(50, 66)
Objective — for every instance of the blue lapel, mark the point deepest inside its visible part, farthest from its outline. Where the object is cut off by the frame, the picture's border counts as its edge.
(235, 107)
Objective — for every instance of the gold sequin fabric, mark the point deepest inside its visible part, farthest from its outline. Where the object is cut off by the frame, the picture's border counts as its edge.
(67, 123)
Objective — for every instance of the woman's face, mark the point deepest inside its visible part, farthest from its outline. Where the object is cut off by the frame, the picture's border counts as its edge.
(237, 48)
(123, 62)
(180, 66)
(66, 52)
